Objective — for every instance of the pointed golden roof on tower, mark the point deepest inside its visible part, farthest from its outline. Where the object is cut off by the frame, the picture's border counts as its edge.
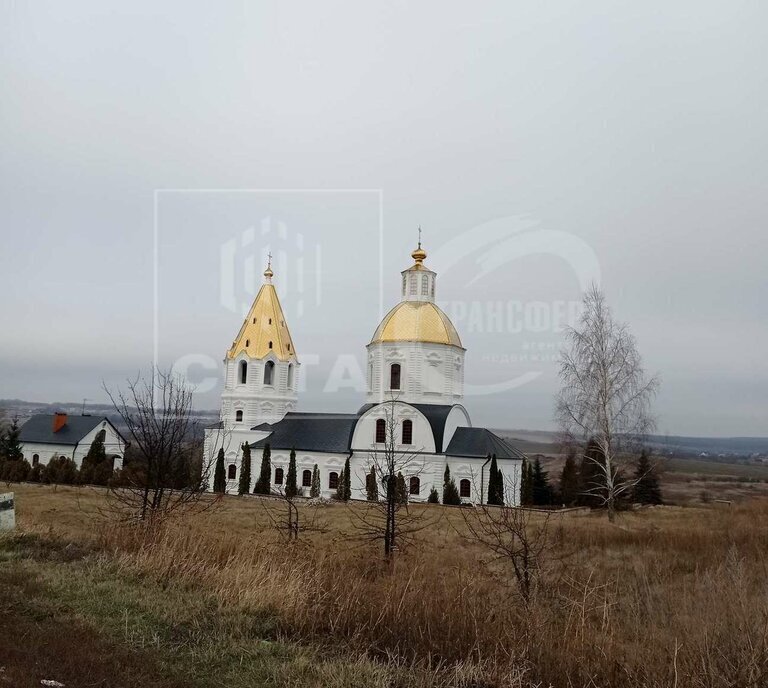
(265, 330)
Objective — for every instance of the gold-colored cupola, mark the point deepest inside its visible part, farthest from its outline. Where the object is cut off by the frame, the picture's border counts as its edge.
(265, 330)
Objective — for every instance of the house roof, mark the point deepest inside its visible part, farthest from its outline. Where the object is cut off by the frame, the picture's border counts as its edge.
(320, 432)
(479, 442)
(39, 429)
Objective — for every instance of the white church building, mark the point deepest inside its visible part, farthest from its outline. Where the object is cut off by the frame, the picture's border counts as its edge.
(415, 378)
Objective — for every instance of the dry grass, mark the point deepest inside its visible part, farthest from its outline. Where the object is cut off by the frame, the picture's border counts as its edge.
(669, 596)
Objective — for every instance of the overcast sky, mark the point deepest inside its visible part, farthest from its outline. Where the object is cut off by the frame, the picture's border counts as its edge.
(539, 146)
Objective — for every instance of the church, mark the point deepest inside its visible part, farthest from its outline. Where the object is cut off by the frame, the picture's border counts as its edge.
(415, 390)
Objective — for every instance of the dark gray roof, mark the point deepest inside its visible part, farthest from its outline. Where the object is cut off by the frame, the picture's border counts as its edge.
(320, 432)
(436, 414)
(40, 429)
(481, 442)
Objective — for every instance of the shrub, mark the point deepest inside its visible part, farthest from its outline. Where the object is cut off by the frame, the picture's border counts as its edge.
(61, 470)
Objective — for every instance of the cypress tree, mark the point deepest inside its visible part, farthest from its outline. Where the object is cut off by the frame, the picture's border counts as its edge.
(569, 480)
(314, 491)
(340, 487)
(434, 497)
(401, 493)
(264, 483)
(371, 486)
(526, 484)
(542, 492)
(291, 488)
(219, 477)
(450, 491)
(495, 484)
(646, 489)
(245, 470)
(347, 481)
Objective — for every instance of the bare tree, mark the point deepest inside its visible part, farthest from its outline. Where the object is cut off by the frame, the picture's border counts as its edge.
(168, 471)
(391, 519)
(517, 537)
(605, 395)
(290, 515)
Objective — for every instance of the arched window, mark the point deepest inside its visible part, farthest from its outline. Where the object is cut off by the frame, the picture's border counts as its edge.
(238, 416)
(413, 284)
(232, 472)
(278, 476)
(394, 376)
(405, 281)
(247, 342)
(269, 373)
(414, 485)
(270, 343)
(35, 459)
(424, 285)
(408, 432)
(243, 372)
(306, 479)
(465, 488)
(381, 430)
(333, 480)
(290, 376)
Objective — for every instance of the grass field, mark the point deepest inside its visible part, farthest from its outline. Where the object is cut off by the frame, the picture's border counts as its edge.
(670, 596)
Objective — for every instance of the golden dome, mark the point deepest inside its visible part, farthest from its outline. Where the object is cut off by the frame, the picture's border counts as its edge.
(419, 254)
(416, 321)
(264, 329)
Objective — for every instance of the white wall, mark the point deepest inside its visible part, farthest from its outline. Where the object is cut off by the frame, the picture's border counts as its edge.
(113, 445)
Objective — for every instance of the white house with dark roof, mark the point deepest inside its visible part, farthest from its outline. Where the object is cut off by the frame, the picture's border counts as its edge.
(415, 375)
(46, 436)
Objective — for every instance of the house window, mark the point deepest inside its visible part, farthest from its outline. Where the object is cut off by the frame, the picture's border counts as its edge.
(278, 476)
(35, 459)
(414, 486)
(333, 480)
(232, 472)
(465, 488)
(381, 431)
(290, 376)
(394, 376)
(243, 372)
(407, 432)
(269, 372)
(238, 416)
(306, 479)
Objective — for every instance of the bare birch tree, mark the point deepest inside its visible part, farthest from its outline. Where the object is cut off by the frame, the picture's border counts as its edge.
(164, 475)
(391, 518)
(605, 394)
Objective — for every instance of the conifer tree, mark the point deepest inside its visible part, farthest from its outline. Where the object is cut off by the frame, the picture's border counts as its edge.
(371, 486)
(434, 497)
(646, 489)
(542, 491)
(291, 488)
(495, 484)
(401, 493)
(450, 491)
(244, 486)
(340, 487)
(347, 481)
(92, 461)
(219, 476)
(11, 444)
(569, 479)
(264, 483)
(314, 491)
(526, 484)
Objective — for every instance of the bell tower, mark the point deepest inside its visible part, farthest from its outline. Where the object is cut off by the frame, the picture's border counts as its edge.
(261, 367)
